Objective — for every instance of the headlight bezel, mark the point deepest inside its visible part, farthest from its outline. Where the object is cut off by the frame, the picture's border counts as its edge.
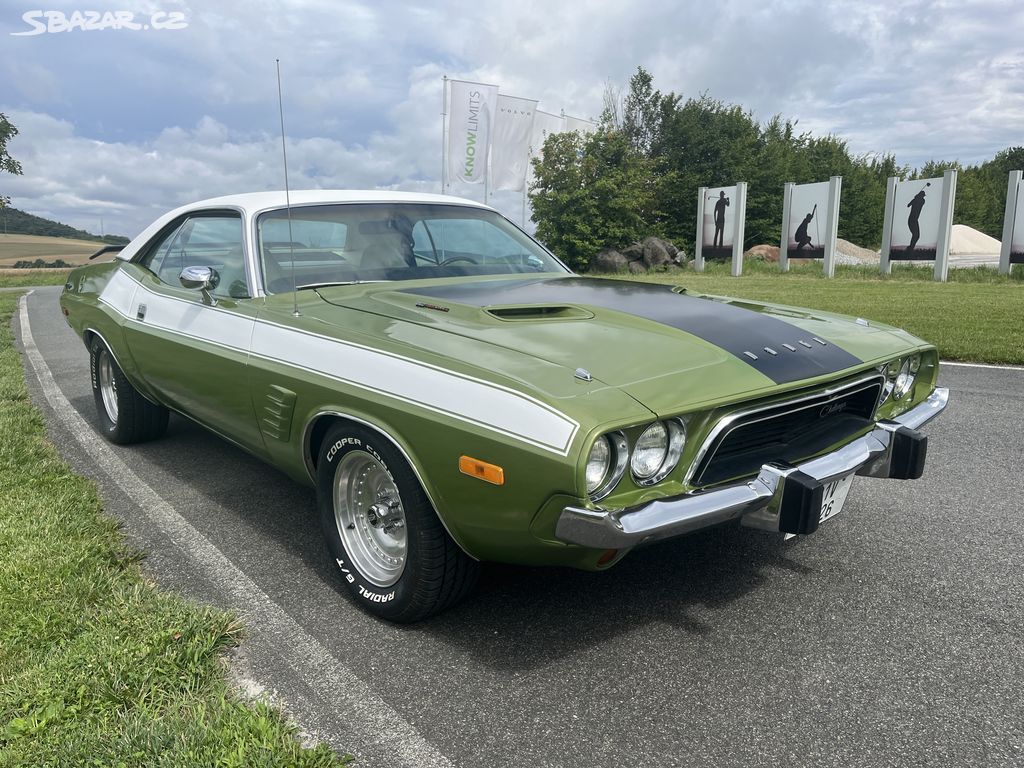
(618, 459)
(900, 377)
(904, 381)
(675, 444)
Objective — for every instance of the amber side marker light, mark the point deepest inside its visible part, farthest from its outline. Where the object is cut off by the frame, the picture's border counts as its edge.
(481, 470)
(607, 557)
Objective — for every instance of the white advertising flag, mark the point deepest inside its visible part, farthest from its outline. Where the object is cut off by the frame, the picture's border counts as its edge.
(544, 124)
(510, 144)
(579, 124)
(473, 107)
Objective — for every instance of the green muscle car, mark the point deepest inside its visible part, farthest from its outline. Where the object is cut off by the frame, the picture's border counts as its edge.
(455, 394)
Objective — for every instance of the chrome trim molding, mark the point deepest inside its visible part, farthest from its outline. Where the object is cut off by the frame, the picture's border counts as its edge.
(756, 503)
(728, 422)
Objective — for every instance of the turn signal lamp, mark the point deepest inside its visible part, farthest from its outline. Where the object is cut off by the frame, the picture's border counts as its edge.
(481, 470)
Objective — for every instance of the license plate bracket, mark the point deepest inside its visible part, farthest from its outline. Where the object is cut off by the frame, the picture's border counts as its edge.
(807, 502)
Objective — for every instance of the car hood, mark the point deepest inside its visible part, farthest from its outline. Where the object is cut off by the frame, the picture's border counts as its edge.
(661, 345)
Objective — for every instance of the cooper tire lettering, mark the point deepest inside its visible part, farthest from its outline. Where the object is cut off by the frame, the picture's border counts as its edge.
(401, 577)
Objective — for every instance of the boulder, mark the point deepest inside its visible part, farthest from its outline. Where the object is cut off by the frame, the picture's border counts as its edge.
(609, 260)
(637, 267)
(763, 252)
(655, 252)
(634, 251)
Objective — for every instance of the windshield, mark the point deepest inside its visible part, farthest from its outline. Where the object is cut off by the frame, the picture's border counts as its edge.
(363, 242)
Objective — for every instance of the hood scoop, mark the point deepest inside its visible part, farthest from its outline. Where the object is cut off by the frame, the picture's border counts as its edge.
(538, 312)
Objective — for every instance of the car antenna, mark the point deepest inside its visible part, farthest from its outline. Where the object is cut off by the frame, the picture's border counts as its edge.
(287, 194)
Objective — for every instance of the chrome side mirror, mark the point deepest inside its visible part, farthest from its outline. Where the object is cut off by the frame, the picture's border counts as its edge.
(200, 278)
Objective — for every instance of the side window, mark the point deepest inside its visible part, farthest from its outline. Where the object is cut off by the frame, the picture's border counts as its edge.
(156, 254)
(216, 241)
(203, 241)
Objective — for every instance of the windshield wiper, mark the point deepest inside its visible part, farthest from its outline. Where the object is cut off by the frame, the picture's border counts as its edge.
(314, 286)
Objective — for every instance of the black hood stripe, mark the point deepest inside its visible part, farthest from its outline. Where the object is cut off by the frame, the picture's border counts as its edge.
(744, 333)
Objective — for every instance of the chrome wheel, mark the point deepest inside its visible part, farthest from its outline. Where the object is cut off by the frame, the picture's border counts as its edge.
(108, 386)
(370, 518)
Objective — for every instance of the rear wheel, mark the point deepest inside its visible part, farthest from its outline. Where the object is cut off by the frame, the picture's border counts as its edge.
(385, 537)
(125, 415)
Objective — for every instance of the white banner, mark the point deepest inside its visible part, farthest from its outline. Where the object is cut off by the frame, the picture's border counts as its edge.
(544, 124)
(472, 110)
(510, 145)
(579, 124)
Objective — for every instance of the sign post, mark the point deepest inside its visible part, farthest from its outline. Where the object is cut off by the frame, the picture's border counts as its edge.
(698, 250)
(787, 200)
(945, 225)
(1011, 223)
(737, 237)
(890, 200)
(835, 188)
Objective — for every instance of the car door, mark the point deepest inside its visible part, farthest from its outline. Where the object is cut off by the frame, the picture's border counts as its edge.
(191, 346)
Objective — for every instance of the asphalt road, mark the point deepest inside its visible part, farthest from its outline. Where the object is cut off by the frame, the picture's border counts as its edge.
(892, 636)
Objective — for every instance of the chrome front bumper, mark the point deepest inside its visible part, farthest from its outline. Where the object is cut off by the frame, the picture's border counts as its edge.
(781, 498)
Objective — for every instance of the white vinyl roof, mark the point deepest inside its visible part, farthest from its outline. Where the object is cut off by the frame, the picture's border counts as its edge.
(251, 203)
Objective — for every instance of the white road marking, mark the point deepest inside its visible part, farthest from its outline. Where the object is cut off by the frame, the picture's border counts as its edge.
(983, 365)
(371, 717)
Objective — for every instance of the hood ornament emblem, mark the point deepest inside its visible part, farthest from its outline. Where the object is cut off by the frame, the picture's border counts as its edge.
(583, 374)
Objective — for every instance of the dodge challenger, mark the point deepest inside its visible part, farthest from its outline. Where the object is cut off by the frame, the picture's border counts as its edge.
(456, 394)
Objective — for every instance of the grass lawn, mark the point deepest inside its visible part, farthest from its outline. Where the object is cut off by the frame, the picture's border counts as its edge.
(977, 316)
(99, 667)
(20, 278)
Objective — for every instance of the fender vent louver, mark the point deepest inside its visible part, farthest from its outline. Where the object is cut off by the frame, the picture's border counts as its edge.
(276, 418)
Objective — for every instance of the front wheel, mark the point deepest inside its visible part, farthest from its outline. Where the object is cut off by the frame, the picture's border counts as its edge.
(125, 415)
(385, 537)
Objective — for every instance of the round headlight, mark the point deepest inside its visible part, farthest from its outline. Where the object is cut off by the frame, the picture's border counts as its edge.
(657, 451)
(605, 464)
(891, 371)
(598, 463)
(649, 451)
(904, 381)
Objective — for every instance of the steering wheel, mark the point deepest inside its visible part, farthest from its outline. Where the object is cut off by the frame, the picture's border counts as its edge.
(455, 259)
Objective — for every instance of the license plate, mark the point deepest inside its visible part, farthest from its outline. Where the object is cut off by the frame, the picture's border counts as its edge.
(833, 496)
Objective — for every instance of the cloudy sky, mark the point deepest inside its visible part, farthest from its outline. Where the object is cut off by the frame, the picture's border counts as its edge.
(122, 124)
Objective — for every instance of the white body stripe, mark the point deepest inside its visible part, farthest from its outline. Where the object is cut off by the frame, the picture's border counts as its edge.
(118, 294)
(198, 321)
(465, 398)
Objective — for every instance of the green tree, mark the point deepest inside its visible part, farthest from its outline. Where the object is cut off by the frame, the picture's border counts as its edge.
(640, 111)
(639, 175)
(590, 192)
(7, 163)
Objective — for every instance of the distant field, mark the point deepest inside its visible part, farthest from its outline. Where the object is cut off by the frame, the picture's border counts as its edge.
(14, 248)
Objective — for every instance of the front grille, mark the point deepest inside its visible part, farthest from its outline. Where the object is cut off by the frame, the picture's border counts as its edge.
(790, 431)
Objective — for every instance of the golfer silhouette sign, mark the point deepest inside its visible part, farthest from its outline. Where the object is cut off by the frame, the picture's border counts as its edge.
(719, 222)
(915, 220)
(806, 228)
